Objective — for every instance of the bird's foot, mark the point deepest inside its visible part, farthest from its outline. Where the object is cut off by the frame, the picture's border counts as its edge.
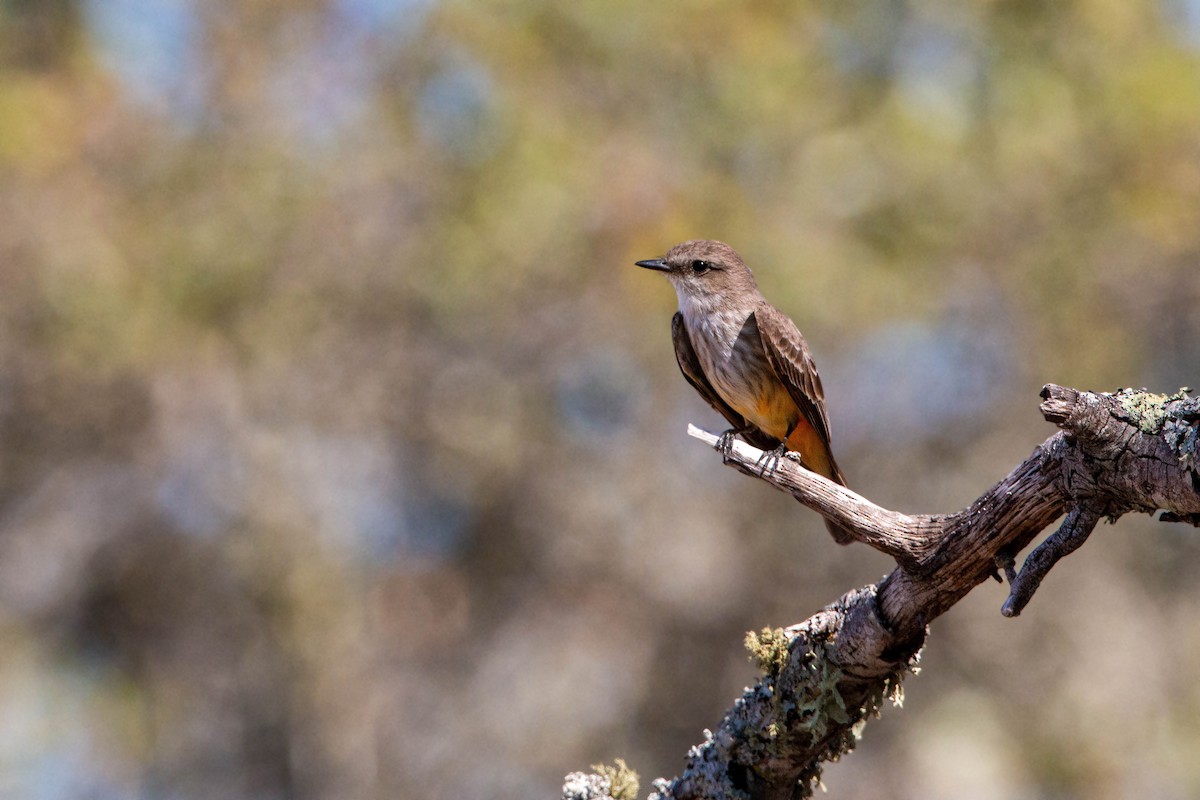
(725, 443)
(769, 461)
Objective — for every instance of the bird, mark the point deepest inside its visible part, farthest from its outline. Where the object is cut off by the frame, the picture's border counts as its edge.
(747, 358)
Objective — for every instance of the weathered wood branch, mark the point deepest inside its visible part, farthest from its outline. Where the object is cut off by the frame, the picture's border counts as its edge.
(1116, 453)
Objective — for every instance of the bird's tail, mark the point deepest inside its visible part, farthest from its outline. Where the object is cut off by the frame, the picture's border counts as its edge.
(839, 533)
(816, 455)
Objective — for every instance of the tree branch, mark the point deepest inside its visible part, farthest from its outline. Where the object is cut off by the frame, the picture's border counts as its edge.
(1116, 453)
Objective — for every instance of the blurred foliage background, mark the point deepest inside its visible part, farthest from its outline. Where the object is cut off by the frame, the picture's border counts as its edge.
(342, 447)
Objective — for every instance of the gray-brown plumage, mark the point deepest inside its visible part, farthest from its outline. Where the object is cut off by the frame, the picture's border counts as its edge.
(746, 358)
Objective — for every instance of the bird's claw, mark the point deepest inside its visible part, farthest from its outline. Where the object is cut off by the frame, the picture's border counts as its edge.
(725, 443)
(768, 462)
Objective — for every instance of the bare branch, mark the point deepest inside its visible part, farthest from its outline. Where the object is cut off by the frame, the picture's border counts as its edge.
(906, 538)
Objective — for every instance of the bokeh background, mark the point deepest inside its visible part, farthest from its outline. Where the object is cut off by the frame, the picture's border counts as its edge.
(342, 448)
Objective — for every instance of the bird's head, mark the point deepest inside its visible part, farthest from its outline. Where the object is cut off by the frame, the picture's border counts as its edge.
(705, 272)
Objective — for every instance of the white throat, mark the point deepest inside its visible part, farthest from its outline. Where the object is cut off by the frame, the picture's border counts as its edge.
(714, 317)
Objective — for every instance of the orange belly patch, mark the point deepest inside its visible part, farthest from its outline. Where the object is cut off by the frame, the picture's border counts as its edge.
(774, 413)
(813, 453)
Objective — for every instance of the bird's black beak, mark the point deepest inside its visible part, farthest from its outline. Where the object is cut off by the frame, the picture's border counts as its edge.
(655, 263)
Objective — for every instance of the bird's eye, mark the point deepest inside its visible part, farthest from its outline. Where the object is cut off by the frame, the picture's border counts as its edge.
(700, 267)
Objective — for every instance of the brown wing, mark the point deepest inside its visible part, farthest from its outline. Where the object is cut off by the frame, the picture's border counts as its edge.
(788, 353)
(789, 356)
(689, 365)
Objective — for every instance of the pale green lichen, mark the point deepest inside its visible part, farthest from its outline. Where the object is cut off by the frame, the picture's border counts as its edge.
(1175, 416)
(622, 781)
(823, 706)
(814, 701)
(796, 707)
(769, 649)
(1147, 409)
(823, 703)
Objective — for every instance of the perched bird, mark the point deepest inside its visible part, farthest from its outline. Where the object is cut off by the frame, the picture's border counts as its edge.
(747, 358)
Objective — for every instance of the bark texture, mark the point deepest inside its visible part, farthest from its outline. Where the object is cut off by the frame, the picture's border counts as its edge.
(823, 678)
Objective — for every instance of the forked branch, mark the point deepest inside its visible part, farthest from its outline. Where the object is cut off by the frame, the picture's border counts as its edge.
(1116, 453)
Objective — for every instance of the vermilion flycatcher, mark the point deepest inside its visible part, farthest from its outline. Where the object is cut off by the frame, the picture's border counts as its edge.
(746, 357)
